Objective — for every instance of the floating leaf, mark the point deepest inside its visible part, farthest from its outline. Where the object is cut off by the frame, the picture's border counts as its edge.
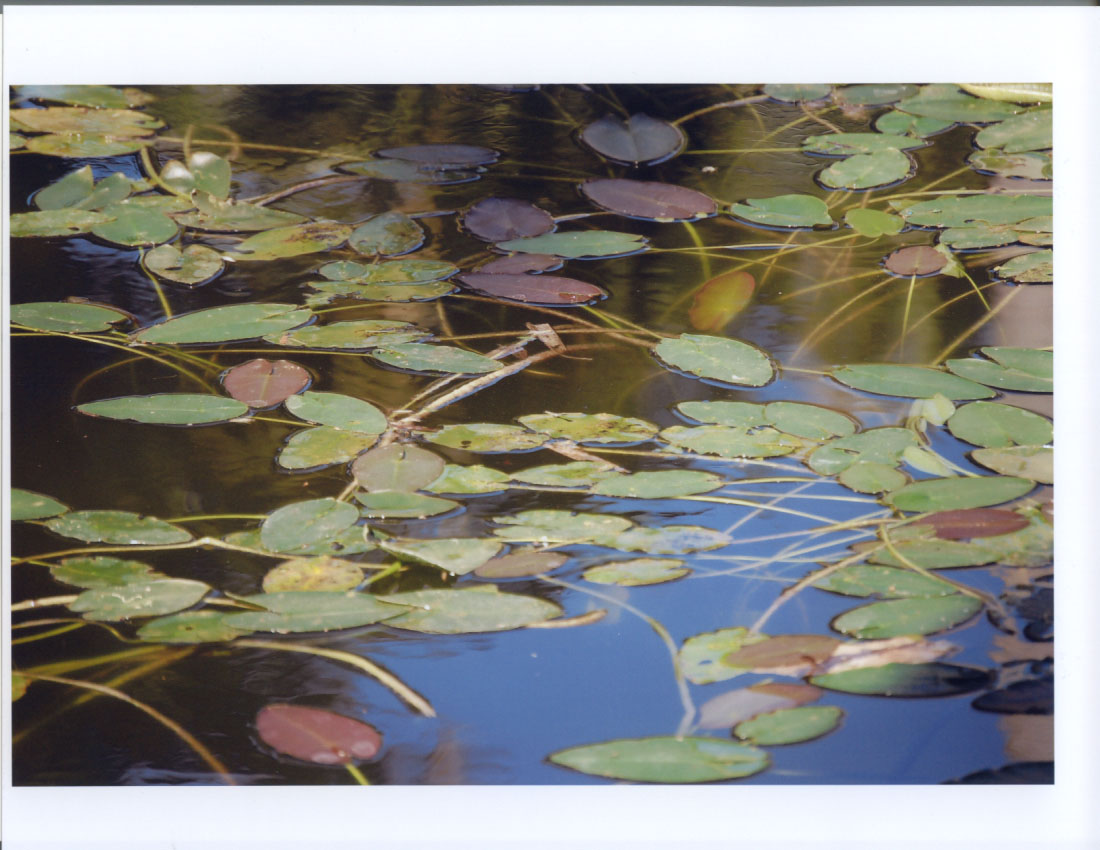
(665, 540)
(553, 526)
(15, 141)
(865, 654)
(798, 93)
(77, 190)
(390, 504)
(486, 437)
(947, 103)
(443, 156)
(846, 144)
(732, 707)
(521, 263)
(229, 216)
(726, 441)
(534, 289)
(785, 655)
(915, 260)
(736, 414)
(720, 299)
(132, 224)
(139, 599)
(580, 473)
(26, 504)
(659, 484)
(872, 477)
(1031, 131)
(909, 381)
(1021, 369)
(397, 467)
(915, 615)
(361, 335)
(419, 357)
(522, 562)
(1029, 696)
(1036, 267)
(1034, 462)
(994, 425)
(302, 523)
(350, 541)
(456, 555)
(902, 123)
(323, 573)
(405, 171)
(500, 219)
(167, 408)
(481, 609)
(1029, 547)
(784, 211)
(99, 97)
(313, 611)
(99, 571)
(190, 627)
(666, 760)
(637, 140)
(226, 324)
(387, 235)
(81, 145)
(963, 210)
(468, 480)
(808, 420)
(868, 171)
(789, 725)
(590, 428)
(265, 383)
(66, 222)
(1031, 232)
(873, 223)
(578, 244)
(877, 445)
(1012, 92)
(907, 680)
(390, 272)
(323, 446)
(194, 265)
(83, 120)
(975, 522)
(65, 316)
(648, 200)
(122, 527)
(874, 94)
(1027, 166)
(640, 571)
(728, 361)
(204, 172)
(882, 581)
(338, 411)
(292, 241)
(937, 494)
(702, 656)
(316, 735)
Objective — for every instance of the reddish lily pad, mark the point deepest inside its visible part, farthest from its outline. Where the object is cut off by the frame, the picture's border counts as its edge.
(316, 735)
(500, 219)
(919, 260)
(649, 200)
(265, 383)
(534, 289)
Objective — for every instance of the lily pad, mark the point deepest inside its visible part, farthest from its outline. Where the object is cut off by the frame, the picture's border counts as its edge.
(947, 103)
(167, 408)
(480, 609)
(938, 494)
(800, 93)
(406, 171)
(82, 145)
(292, 241)
(907, 680)
(877, 94)
(1027, 166)
(590, 428)
(868, 171)
(701, 656)
(555, 526)
(190, 627)
(443, 156)
(584, 244)
(1030, 232)
(902, 123)
(666, 539)
(390, 504)
(78, 190)
(580, 473)
(313, 448)
(637, 140)
(876, 445)
(667, 760)
(501, 219)
(1031, 131)
(934, 554)
(265, 383)
(193, 265)
(204, 172)
(66, 222)
(350, 541)
(659, 484)
(65, 316)
(846, 144)
(785, 655)
(1020, 369)
(133, 225)
(976, 522)
(302, 523)
(809, 421)
(915, 261)
(1012, 92)
(397, 467)
(784, 211)
(90, 571)
(873, 223)
(337, 410)
(226, 324)
(468, 480)
(390, 272)
(736, 414)
(316, 735)
(726, 441)
(1034, 462)
(648, 200)
(83, 120)
(323, 573)
(912, 616)
(964, 210)
(872, 477)
(790, 725)
(728, 361)
(354, 336)
(909, 381)
(534, 289)
(387, 235)
(1036, 267)
(486, 437)
(521, 263)
(884, 582)
(122, 527)
(446, 359)
(993, 425)
(139, 599)
(26, 504)
(640, 571)
(520, 563)
(313, 611)
(733, 707)
(98, 97)
(229, 216)
(720, 299)
(456, 555)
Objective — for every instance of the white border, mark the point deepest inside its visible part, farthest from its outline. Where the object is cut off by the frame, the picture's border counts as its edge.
(146, 45)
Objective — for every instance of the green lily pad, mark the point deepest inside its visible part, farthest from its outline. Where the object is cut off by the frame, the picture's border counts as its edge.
(907, 680)
(66, 222)
(585, 244)
(81, 145)
(480, 609)
(876, 445)
(640, 571)
(964, 210)
(1027, 166)
(943, 494)
(1012, 92)
(789, 725)
(873, 223)
(947, 103)
(728, 361)
(456, 555)
(26, 504)
(91, 571)
(521, 563)
(659, 484)
(799, 93)
(134, 225)
(302, 523)
(912, 616)
(909, 381)
(1031, 131)
(637, 140)
(350, 541)
(338, 411)
(1036, 267)
(193, 265)
(405, 171)
(204, 172)
(229, 216)
(554, 526)
(420, 357)
(15, 141)
(1034, 462)
(78, 190)
(322, 573)
(865, 476)
(500, 219)
(98, 97)
(190, 627)
(580, 473)
(392, 504)
(666, 760)
(324, 445)
(65, 316)
(701, 655)
(487, 437)
(725, 441)
(808, 420)
(387, 235)
(784, 211)
(1031, 232)
(846, 144)
(389, 272)
(84, 120)
(313, 611)
(590, 428)
(665, 540)
(468, 480)
(993, 425)
(736, 414)
(226, 324)
(902, 123)
(139, 599)
(292, 241)
(935, 554)
(355, 336)
(122, 527)
(1020, 369)
(868, 171)
(649, 200)
(874, 94)
(397, 467)
(1032, 546)
(167, 408)
(882, 581)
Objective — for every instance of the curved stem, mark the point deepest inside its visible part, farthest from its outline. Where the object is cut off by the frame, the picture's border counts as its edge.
(729, 104)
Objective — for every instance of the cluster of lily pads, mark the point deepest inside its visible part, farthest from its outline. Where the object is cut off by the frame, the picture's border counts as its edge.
(935, 515)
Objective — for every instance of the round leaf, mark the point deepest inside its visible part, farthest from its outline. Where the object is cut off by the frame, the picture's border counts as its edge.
(406, 171)
(265, 383)
(873, 223)
(397, 467)
(875, 94)
(167, 408)
(790, 725)
(204, 171)
(84, 120)
(702, 656)
(390, 272)
(312, 611)
(871, 477)
(139, 599)
(521, 263)
(846, 144)
(419, 357)
(500, 219)
(486, 437)
(909, 381)
(798, 93)
(666, 540)
(976, 522)
(338, 411)
(135, 225)
(26, 504)
(947, 103)
(100, 571)
(877, 445)
(1036, 267)
(808, 420)
(190, 627)
(81, 145)
(784, 211)
(918, 260)
(937, 494)
(99, 97)
(323, 573)
(637, 140)
(390, 504)
(902, 123)
(533, 289)
(935, 554)
(309, 521)
(590, 428)
(229, 216)
(963, 210)
(648, 200)
(360, 335)
(1032, 131)
(194, 265)
(554, 526)
(993, 425)
(456, 555)
(1028, 166)
(315, 735)
(65, 316)
(584, 244)
(292, 241)
(322, 446)
(868, 171)
(726, 441)
(640, 571)
(226, 324)
(728, 361)
(468, 480)
(736, 414)
(122, 527)
(579, 473)
(387, 235)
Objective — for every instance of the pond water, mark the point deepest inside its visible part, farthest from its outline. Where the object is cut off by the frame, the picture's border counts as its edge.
(725, 309)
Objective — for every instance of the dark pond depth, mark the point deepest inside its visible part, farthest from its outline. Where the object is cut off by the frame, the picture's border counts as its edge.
(531, 435)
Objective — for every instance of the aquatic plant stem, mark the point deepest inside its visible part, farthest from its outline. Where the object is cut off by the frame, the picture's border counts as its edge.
(356, 774)
(957, 341)
(152, 173)
(304, 186)
(704, 259)
(164, 305)
(258, 146)
(729, 104)
(43, 602)
(60, 630)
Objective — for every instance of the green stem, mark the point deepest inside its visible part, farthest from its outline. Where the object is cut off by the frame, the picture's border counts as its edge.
(60, 630)
(164, 305)
(729, 104)
(704, 259)
(356, 774)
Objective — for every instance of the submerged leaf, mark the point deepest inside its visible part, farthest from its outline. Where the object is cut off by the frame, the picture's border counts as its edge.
(720, 299)
(637, 140)
(316, 735)
(265, 383)
(648, 200)
(665, 760)
(167, 408)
